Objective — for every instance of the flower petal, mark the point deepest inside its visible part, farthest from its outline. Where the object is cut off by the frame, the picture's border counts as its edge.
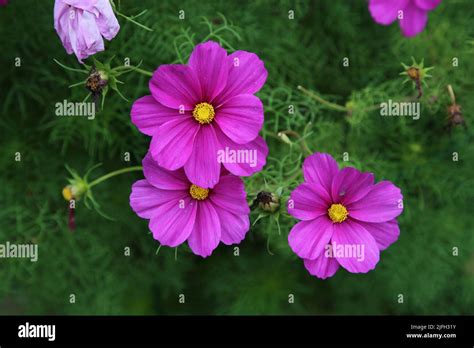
(148, 115)
(229, 194)
(145, 198)
(176, 86)
(162, 178)
(350, 185)
(209, 62)
(308, 201)
(354, 247)
(234, 227)
(107, 22)
(84, 35)
(202, 167)
(383, 203)
(385, 12)
(83, 5)
(384, 233)
(322, 267)
(61, 23)
(173, 222)
(427, 5)
(247, 74)
(249, 157)
(308, 238)
(241, 118)
(206, 233)
(320, 168)
(414, 20)
(173, 143)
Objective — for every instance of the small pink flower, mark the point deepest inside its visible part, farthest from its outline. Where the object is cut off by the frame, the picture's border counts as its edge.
(3, 2)
(346, 218)
(412, 14)
(81, 24)
(180, 211)
(199, 109)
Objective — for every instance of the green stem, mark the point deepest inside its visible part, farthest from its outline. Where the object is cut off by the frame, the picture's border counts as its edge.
(144, 72)
(133, 21)
(330, 105)
(114, 173)
(134, 68)
(68, 68)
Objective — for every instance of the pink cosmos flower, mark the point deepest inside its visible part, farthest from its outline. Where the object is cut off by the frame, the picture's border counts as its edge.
(180, 211)
(346, 218)
(81, 24)
(412, 14)
(200, 109)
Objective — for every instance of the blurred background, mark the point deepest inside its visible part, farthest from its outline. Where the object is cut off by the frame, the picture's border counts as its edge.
(417, 155)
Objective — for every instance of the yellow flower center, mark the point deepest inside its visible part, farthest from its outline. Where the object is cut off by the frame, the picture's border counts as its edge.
(198, 193)
(204, 113)
(337, 213)
(67, 193)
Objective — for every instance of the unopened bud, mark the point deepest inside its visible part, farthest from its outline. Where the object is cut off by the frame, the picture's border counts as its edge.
(268, 201)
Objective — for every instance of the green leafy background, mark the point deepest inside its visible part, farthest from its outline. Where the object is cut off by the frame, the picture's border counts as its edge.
(308, 51)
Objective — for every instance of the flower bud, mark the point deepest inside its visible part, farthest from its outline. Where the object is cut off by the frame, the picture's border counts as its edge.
(75, 190)
(96, 81)
(268, 201)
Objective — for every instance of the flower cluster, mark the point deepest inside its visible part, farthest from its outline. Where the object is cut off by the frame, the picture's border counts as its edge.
(204, 121)
(195, 114)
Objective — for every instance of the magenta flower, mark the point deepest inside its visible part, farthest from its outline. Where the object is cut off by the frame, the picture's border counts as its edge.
(346, 218)
(197, 111)
(180, 211)
(81, 24)
(3, 2)
(412, 14)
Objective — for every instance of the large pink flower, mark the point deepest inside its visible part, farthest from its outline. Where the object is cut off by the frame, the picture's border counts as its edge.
(81, 24)
(346, 218)
(198, 110)
(412, 14)
(180, 211)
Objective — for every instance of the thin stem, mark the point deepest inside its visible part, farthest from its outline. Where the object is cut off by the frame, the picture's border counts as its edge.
(343, 108)
(144, 72)
(133, 68)
(133, 21)
(68, 68)
(114, 173)
(330, 105)
(77, 84)
(301, 139)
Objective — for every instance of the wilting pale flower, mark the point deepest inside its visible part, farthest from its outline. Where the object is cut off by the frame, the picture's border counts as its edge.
(199, 110)
(180, 211)
(81, 24)
(412, 14)
(346, 218)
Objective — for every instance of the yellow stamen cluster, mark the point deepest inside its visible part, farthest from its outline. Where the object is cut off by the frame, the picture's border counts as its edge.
(204, 113)
(67, 193)
(198, 193)
(337, 213)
